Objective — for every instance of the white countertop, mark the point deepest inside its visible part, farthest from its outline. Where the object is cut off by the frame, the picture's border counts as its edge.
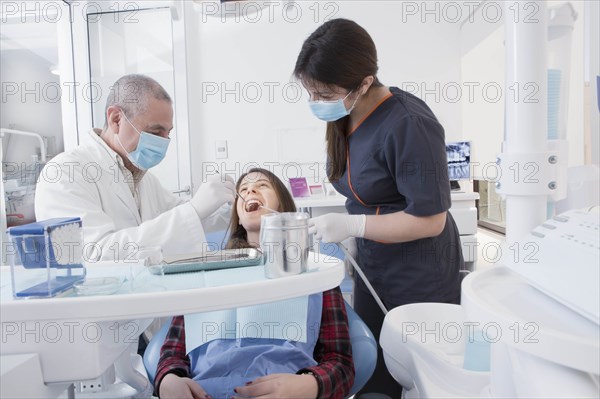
(172, 294)
(464, 195)
(320, 201)
(78, 337)
(340, 200)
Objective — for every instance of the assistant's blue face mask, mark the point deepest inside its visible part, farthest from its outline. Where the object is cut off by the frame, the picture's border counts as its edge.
(331, 111)
(150, 150)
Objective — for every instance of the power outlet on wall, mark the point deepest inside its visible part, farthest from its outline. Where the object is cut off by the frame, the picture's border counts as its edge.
(92, 386)
(221, 149)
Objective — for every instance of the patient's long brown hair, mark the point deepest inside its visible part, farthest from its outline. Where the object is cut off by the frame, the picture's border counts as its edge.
(239, 235)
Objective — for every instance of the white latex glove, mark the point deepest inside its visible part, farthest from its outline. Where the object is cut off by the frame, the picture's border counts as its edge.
(336, 227)
(218, 220)
(212, 194)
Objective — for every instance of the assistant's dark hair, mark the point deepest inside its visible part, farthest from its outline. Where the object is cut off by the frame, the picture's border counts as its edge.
(339, 53)
(239, 235)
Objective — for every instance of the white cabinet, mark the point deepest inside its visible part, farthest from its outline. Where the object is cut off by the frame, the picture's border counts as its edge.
(463, 211)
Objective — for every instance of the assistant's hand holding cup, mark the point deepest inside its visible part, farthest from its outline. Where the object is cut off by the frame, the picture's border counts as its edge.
(336, 227)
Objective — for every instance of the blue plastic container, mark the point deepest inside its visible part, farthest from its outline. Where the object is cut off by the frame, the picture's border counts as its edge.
(48, 257)
(477, 352)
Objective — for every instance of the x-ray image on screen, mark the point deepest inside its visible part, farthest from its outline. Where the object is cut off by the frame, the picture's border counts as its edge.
(459, 159)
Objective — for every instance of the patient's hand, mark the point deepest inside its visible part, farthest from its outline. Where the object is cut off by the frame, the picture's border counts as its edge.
(281, 386)
(173, 386)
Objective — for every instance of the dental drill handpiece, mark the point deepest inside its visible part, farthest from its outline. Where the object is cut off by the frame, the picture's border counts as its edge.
(260, 206)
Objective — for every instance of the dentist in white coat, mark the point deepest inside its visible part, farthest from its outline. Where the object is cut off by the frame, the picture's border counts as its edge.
(105, 181)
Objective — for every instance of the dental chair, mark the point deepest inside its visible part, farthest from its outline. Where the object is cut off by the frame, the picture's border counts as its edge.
(364, 350)
(364, 345)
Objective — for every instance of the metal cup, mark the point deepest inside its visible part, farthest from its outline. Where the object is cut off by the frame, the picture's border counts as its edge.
(284, 242)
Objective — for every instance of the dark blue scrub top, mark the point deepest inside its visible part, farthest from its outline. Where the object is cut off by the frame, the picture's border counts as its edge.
(397, 162)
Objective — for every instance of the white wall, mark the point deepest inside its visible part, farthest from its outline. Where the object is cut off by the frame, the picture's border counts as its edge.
(248, 56)
(483, 116)
(35, 107)
(483, 62)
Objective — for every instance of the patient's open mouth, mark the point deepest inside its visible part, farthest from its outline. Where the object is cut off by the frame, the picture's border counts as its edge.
(253, 205)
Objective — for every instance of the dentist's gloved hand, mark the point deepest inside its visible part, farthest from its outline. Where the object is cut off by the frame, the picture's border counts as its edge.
(336, 227)
(212, 194)
(218, 220)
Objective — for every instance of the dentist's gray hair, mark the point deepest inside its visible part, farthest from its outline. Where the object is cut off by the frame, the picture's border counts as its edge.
(131, 94)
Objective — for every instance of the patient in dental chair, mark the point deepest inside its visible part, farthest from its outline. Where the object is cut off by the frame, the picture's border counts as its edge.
(318, 365)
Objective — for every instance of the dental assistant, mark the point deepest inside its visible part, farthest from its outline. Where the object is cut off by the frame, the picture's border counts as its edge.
(106, 182)
(386, 155)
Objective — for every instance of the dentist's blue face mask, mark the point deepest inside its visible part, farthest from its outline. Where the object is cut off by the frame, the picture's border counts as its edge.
(330, 111)
(150, 150)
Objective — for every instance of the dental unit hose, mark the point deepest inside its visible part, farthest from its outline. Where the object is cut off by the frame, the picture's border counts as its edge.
(364, 278)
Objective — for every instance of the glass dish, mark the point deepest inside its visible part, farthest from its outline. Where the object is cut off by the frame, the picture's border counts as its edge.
(99, 286)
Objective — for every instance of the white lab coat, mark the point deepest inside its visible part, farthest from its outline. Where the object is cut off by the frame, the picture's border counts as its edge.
(87, 182)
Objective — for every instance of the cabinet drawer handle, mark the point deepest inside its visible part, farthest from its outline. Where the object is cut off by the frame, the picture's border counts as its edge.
(187, 190)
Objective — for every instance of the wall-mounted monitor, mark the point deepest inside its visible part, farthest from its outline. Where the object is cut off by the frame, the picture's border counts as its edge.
(459, 160)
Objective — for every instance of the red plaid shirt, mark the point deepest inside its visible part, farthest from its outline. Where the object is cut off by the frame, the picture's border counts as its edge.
(333, 351)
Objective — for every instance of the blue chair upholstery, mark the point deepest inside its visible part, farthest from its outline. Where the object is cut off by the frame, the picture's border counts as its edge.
(215, 240)
(364, 350)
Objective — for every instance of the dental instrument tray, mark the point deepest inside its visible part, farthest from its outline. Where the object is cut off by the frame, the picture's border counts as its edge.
(224, 259)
